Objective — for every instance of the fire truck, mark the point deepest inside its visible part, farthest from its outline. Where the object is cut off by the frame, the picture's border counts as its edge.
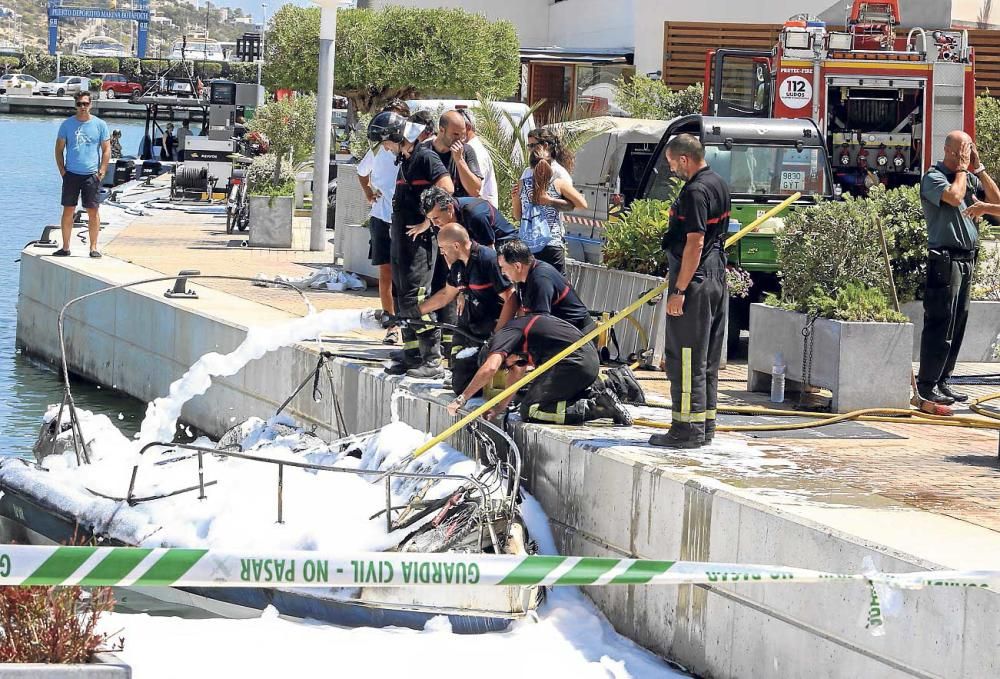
(882, 98)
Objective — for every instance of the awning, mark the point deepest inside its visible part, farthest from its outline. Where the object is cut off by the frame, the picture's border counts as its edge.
(621, 55)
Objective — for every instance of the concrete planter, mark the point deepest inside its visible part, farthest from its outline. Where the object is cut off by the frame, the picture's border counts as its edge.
(352, 208)
(101, 666)
(271, 221)
(865, 365)
(982, 334)
(353, 241)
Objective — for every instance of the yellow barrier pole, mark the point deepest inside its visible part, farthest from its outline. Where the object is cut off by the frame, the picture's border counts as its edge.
(627, 311)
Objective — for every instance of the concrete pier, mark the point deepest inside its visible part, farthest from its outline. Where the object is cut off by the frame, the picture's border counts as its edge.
(899, 498)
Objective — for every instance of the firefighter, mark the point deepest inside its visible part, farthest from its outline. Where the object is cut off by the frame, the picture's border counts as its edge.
(413, 248)
(696, 311)
(540, 288)
(484, 222)
(571, 392)
(475, 274)
(947, 195)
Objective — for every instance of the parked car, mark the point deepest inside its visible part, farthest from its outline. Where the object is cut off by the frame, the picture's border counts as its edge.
(116, 85)
(12, 80)
(63, 85)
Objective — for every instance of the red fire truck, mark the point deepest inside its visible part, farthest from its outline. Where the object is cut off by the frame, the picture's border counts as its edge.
(883, 99)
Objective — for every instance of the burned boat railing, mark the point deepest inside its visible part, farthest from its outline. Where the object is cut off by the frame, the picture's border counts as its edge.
(201, 451)
(79, 440)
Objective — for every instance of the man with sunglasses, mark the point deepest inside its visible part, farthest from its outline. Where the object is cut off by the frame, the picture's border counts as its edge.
(571, 392)
(83, 149)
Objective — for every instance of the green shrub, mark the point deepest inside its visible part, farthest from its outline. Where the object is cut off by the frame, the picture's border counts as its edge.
(9, 64)
(131, 68)
(988, 132)
(94, 85)
(76, 65)
(986, 279)
(643, 97)
(104, 64)
(260, 174)
(154, 67)
(826, 248)
(240, 72)
(633, 241)
(206, 70)
(285, 188)
(40, 65)
(357, 138)
(906, 232)
(181, 69)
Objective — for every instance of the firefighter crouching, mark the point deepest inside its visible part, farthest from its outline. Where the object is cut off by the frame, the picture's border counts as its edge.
(475, 275)
(696, 311)
(571, 392)
(413, 243)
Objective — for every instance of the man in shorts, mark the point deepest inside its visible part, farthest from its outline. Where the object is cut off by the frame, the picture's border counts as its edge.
(377, 173)
(83, 149)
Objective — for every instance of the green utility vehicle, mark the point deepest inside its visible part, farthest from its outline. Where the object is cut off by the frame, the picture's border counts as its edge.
(764, 162)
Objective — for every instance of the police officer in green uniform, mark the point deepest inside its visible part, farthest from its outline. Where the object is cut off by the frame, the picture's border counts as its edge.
(696, 310)
(948, 196)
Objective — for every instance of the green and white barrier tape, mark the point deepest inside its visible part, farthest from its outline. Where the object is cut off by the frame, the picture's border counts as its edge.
(138, 567)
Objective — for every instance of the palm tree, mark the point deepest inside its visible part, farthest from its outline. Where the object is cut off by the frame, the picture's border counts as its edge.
(506, 140)
(983, 20)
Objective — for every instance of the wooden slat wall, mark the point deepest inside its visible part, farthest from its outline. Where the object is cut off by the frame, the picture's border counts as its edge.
(686, 42)
(987, 46)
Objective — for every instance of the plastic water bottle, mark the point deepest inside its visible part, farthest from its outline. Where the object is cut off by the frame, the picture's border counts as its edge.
(778, 379)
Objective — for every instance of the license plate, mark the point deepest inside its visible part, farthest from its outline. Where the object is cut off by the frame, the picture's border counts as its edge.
(793, 181)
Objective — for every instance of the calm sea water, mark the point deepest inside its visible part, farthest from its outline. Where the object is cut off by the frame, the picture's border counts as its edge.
(29, 199)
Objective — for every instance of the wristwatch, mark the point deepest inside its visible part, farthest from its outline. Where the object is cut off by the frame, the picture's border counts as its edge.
(677, 291)
(979, 170)
(460, 400)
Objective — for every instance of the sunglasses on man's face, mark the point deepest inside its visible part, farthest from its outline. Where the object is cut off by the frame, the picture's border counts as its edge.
(82, 103)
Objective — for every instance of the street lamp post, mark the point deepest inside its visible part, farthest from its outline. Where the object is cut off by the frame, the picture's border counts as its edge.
(263, 30)
(324, 114)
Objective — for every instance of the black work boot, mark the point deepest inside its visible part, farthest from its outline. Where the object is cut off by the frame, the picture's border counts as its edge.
(944, 388)
(430, 367)
(606, 404)
(681, 435)
(402, 365)
(709, 431)
(929, 392)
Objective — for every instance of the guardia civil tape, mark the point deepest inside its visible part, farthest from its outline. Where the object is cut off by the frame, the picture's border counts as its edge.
(138, 567)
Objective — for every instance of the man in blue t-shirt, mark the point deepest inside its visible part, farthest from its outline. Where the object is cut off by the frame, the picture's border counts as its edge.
(83, 149)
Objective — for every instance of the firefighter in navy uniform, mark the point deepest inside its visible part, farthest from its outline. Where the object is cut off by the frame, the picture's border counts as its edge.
(474, 274)
(484, 222)
(413, 248)
(696, 311)
(541, 289)
(571, 392)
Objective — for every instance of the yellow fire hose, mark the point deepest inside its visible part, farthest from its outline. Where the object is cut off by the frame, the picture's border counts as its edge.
(888, 415)
(624, 313)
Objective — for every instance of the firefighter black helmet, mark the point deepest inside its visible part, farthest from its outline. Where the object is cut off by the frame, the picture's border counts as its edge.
(387, 126)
